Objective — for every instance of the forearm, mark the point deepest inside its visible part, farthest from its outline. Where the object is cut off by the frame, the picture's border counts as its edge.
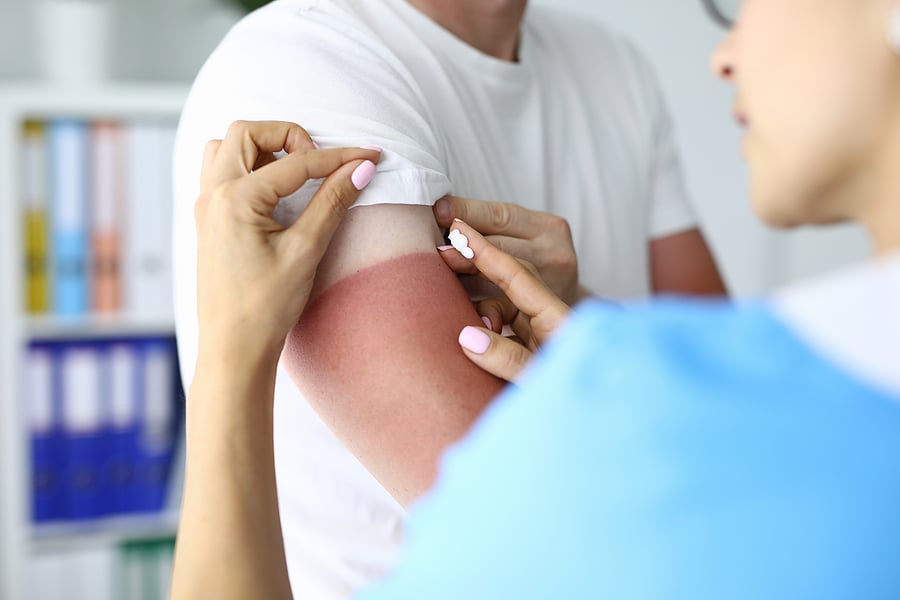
(250, 291)
(230, 541)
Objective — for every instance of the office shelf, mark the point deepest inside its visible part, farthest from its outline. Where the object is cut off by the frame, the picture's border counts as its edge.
(97, 327)
(20, 540)
(117, 530)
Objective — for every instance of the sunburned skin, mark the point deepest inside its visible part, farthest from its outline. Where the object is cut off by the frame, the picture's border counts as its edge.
(377, 357)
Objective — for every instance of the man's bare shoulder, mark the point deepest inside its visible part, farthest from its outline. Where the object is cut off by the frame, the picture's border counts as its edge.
(371, 235)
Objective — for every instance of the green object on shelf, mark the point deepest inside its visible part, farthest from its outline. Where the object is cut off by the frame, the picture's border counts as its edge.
(250, 5)
(145, 569)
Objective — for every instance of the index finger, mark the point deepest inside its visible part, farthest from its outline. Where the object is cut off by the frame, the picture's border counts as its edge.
(488, 217)
(520, 285)
(287, 175)
(247, 140)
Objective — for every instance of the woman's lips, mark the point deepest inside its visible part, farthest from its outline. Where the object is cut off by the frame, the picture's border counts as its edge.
(743, 122)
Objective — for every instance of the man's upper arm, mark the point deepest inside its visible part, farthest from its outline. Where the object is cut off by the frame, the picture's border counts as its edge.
(680, 259)
(376, 354)
(683, 264)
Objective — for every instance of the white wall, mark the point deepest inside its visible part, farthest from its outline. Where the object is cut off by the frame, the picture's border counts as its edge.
(154, 39)
(678, 38)
(169, 39)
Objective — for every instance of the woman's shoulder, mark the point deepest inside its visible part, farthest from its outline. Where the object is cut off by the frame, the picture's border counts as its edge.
(673, 449)
(843, 329)
(655, 348)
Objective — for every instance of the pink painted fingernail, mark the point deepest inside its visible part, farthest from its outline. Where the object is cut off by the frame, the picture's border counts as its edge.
(375, 148)
(444, 248)
(474, 340)
(363, 175)
(487, 323)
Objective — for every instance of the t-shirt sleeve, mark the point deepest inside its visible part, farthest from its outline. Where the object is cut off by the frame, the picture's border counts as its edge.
(670, 211)
(317, 65)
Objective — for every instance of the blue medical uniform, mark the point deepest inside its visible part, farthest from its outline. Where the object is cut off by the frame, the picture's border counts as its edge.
(674, 451)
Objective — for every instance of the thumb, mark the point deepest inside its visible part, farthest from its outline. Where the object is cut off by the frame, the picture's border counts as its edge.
(451, 207)
(498, 355)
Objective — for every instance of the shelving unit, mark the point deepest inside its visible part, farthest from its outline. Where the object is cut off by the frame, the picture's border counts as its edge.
(61, 537)
(20, 540)
(94, 327)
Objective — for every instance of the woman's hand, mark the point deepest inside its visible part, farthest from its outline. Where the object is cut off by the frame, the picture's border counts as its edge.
(529, 307)
(254, 279)
(254, 275)
(542, 239)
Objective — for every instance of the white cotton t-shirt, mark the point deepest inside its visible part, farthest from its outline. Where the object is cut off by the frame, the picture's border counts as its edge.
(577, 128)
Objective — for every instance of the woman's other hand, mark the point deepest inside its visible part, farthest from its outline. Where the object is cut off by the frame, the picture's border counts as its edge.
(542, 239)
(254, 275)
(530, 308)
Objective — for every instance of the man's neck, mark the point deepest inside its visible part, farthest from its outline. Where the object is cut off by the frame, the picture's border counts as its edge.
(491, 26)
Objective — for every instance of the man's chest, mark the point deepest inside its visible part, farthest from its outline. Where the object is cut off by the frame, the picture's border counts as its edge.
(550, 148)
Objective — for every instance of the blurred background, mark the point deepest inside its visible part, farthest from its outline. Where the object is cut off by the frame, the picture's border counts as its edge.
(90, 397)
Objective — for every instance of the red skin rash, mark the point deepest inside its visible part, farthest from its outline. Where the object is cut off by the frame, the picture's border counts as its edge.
(376, 355)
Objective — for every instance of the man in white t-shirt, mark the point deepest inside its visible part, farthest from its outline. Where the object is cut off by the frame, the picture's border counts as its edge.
(485, 100)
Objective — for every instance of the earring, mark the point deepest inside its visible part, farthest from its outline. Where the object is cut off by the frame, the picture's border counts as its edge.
(893, 30)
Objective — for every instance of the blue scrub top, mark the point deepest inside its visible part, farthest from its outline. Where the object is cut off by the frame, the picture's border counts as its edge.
(675, 451)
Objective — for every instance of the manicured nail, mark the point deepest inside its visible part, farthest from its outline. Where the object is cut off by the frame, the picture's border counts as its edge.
(378, 149)
(487, 323)
(363, 175)
(316, 146)
(460, 221)
(474, 340)
(444, 248)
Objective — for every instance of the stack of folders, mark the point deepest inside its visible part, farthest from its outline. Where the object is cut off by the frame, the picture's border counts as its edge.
(104, 419)
(97, 217)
